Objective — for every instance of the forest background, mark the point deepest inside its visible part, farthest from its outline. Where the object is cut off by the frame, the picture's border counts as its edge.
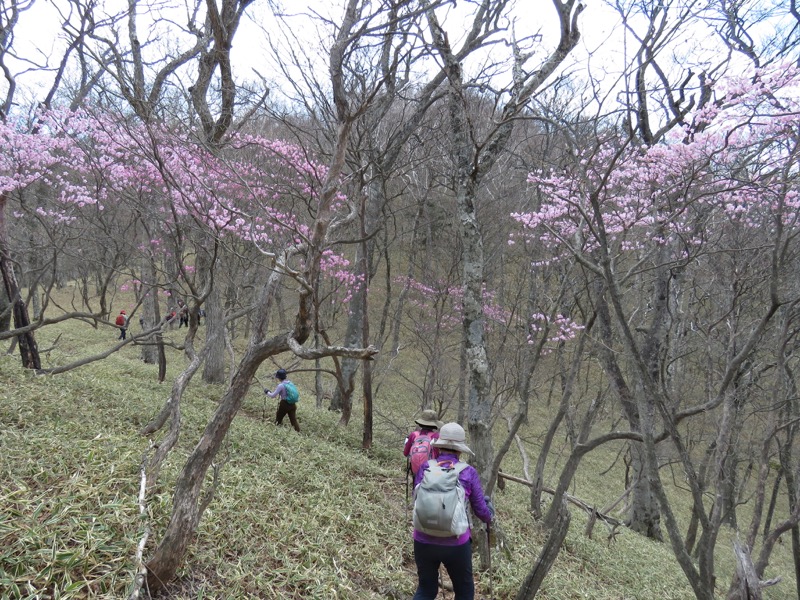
(574, 251)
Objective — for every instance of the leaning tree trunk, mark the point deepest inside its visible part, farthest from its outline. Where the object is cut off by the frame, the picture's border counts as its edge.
(188, 505)
(547, 557)
(747, 585)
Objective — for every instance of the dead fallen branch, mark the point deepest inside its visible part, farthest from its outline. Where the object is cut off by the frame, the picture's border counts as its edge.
(594, 514)
(141, 570)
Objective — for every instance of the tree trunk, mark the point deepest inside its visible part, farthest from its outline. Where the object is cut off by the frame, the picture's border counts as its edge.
(34, 268)
(151, 311)
(773, 500)
(748, 584)
(366, 382)
(28, 350)
(792, 485)
(533, 580)
(538, 477)
(462, 382)
(370, 213)
(342, 399)
(644, 516)
(471, 163)
(214, 367)
(412, 259)
(6, 308)
(644, 513)
(188, 505)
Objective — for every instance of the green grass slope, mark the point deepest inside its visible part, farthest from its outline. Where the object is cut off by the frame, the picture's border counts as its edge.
(305, 515)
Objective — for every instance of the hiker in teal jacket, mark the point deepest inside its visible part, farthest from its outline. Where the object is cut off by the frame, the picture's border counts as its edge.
(284, 407)
(454, 552)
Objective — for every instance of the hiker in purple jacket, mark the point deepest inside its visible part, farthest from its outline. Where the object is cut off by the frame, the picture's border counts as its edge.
(454, 552)
(284, 407)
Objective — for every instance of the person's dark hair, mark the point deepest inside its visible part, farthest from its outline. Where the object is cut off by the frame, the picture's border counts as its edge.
(281, 374)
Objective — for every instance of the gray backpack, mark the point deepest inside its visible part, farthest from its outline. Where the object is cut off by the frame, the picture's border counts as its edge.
(440, 507)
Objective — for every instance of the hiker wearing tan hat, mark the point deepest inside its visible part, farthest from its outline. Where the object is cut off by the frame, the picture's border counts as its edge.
(443, 488)
(418, 442)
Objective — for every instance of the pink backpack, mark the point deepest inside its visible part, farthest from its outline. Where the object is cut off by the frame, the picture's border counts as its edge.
(420, 452)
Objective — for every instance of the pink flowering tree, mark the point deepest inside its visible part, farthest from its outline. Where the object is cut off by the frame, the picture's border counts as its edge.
(717, 197)
(97, 170)
(434, 311)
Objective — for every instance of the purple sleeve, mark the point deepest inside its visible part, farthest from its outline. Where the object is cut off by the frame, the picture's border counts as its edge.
(278, 391)
(472, 484)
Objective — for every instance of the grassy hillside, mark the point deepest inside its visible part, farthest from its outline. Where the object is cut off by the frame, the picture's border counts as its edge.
(303, 515)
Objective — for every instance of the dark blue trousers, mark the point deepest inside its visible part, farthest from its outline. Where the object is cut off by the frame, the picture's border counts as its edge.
(458, 562)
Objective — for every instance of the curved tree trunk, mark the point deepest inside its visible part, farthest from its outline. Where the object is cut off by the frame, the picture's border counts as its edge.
(188, 504)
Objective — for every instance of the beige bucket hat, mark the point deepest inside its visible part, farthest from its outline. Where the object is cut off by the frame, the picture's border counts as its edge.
(452, 436)
(428, 419)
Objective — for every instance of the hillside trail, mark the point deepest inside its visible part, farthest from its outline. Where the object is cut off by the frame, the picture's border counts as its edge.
(393, 488)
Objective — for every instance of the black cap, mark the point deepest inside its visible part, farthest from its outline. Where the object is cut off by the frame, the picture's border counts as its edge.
(280, 374)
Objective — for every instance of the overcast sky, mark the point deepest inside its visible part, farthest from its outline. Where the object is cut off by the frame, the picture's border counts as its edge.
(37, 37)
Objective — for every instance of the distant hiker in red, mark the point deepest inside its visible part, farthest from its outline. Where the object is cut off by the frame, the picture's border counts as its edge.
(418, 442)
(287, 391)
(122, 323)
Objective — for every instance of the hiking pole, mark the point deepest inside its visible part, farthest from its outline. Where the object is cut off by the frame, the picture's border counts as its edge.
(489, 558)
(408, 471)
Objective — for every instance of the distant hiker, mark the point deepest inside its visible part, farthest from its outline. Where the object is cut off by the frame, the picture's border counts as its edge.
(183, 314)
(418, 442)
(287, 391)
(443, 487)
(122, 323)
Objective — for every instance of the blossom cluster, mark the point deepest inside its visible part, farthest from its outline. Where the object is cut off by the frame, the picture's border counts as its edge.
(729, 163)
(257, 190)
